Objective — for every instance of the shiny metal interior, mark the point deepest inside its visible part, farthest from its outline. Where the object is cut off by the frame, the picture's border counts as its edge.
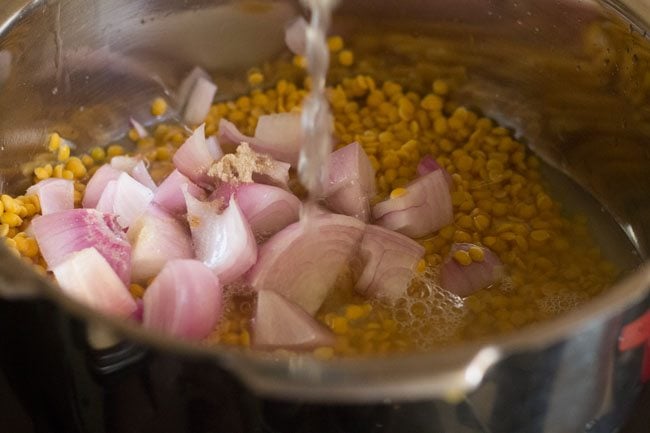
(571, 77)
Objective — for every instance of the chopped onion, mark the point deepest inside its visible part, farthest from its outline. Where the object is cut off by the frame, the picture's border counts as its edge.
(141, 174)
(200, 100)
(303, 261)
(268, 209)
(465, 280)
(87, 277)
(278, 323)
(428, 165)
(62, 233)
(187, 85)
(157, 237)
(230, 134)
(54, 195)
(124, 163)
(351, 183)
(390, 261)
(223, 241)
(276, 135)
(141, 130)
(295, 36)
(169, 194)
(279, 135)
(97, 184)
(184, 300)
(105, 203)
(195, 157)
(425, 208)
(136, 168)
(130, 199)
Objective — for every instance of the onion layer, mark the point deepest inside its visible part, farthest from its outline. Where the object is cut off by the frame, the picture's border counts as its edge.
(223, 241)
(136, 168)
(97, 184)
(303, 261)
(195, 157)
(279, 135)
(63, 233)
(87, 277)
(54, 195)
(187, 85)
(200, 100)
(295, 36)
(276, 135)
(268, 209)
(428, 165)
(390, 261)
(465, 280)
(425, 208)
(278, 323)
(169, 194)
(185, 300)
(157, 237)
(351, 182)
(130, 199)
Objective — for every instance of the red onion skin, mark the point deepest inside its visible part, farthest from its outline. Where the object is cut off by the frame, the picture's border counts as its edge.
(307, 254)
(424, 209)
(184, 300)
(279, 323)
(60, 234)
(390, 260)
(428, 165)
(465, 280)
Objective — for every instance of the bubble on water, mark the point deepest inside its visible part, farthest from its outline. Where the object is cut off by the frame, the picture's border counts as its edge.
(560, 302)
(428, 314)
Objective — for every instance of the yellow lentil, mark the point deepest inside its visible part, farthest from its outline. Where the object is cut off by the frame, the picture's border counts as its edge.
(398, 192)
(346, 58)
(54, 142)
(463, 257)
(476, 254)
(63, 153)
(158, 107)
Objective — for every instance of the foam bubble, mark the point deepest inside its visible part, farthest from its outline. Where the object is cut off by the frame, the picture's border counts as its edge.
(429, 314)
(560, 302)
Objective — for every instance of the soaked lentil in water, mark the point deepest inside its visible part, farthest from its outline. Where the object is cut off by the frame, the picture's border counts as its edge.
(499, 197)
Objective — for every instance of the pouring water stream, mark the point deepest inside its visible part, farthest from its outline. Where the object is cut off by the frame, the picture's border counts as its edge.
(316, 117)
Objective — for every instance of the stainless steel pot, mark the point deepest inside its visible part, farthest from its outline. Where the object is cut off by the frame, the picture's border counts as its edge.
(572, 76)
